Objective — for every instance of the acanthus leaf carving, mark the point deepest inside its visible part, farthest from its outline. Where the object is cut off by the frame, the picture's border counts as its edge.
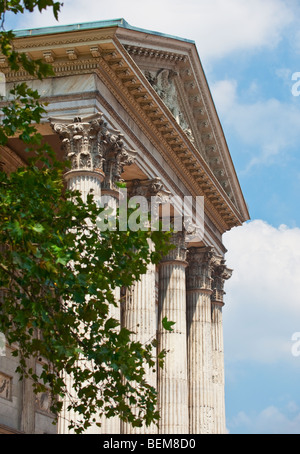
(220, 274)
(80, 141)
(90, 145)
(199, 272)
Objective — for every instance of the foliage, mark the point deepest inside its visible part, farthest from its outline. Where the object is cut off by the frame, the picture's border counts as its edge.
(59, 273)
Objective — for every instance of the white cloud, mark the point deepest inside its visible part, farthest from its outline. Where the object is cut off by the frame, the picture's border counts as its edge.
(263, 297)
(271, 126)
(225, 95)
(237, 25)
(219, 27)
(271, 420)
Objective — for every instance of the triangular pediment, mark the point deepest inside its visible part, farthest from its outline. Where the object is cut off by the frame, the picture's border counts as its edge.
(176, 86)
(173, 68)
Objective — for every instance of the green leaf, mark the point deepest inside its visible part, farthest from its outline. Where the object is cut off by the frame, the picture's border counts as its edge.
(38, 228)
(167, 324)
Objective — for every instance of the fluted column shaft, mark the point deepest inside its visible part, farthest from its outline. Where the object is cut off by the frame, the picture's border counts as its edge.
(86, 182)
(140, 318)
(199, 293)
(220, 274)
(218, 370)
(116, 157)
(140, 312)
(110, 199)
(172, 384)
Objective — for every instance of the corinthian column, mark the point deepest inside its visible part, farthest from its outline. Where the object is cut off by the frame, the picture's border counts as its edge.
(81, 144)
(199, 291)
(172, 383)
(115, 158)
(97, 155)
(220, 274)
(140, 314)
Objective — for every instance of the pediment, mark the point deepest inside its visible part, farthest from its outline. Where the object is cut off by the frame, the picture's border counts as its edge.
(173, 68)
(176, 86)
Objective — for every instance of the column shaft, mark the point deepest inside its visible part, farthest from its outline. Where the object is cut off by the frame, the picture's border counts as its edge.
(199, 341)
(140, 318)
(220, 274)
(140, 312)
(172, 383)
(110, 199)
(218, 369)
(85, 182)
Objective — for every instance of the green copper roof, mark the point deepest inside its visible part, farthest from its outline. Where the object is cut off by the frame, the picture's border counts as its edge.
(89, 26)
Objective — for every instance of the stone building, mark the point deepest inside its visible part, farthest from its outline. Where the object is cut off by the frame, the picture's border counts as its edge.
(148, 91)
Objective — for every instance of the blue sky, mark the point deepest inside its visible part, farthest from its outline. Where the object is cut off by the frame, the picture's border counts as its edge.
(249, 50)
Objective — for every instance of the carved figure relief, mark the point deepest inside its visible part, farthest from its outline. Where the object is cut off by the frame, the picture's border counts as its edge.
(163, 83)
(5, 387)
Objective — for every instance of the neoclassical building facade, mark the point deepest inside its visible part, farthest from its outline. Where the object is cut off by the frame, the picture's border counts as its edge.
(134, 105)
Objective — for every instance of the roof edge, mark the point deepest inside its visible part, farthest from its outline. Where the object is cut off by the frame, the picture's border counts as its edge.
(122, 23)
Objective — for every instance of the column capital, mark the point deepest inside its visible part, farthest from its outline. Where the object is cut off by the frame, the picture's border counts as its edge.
(201, 261)
(91, 146)
(220, 274)
(116, 157)
(179, 253)
(151, 190)
(81, 142)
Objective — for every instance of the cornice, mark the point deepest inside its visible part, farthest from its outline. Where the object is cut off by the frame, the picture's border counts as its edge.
(59, 40)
